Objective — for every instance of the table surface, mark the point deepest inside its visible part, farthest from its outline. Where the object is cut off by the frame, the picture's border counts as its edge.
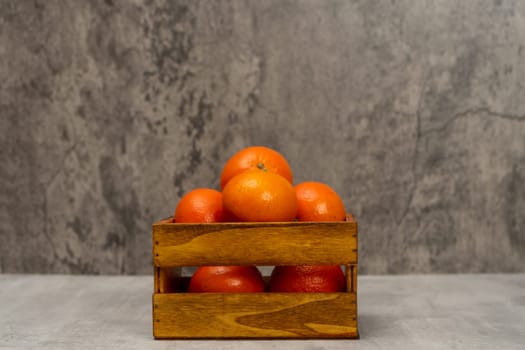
(485, 311)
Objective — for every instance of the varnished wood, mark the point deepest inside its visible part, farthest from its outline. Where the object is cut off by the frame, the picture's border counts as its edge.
(255, 315)
(167, 279)
(178, 314)
(348, 277)
(354, 278)
(288, 243)
(351, 282)
(351, 278)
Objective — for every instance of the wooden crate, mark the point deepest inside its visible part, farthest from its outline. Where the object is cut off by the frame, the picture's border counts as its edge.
(178, 314)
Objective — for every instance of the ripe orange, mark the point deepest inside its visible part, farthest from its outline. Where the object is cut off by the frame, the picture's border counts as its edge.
(200, 205)
(226, 279)
(317, 201)
(257, 195)
(260, 157)
(314, 279)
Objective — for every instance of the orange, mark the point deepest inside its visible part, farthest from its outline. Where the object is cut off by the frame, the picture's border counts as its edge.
(314, 279)
(260, 157)
(226, 279)
(317, 201)
(257, 195)
(200, 205)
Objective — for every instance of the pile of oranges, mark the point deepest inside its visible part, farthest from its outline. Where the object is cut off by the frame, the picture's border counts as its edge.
(257, 186)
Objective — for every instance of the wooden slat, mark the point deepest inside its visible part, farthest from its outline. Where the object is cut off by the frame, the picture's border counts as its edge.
(167, 279)
(354, 288)
(348, 277)
(255, 315)
(351, 278)
(290, 243)
(354, 278)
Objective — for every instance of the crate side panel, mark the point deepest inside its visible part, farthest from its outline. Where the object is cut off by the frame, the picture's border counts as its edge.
(261, 315)
(255, 244)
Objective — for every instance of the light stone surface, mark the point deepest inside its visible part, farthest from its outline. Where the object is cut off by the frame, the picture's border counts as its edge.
(481, 312)
(412, 110)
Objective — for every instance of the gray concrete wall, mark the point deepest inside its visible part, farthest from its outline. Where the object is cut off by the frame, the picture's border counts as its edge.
(412, 110)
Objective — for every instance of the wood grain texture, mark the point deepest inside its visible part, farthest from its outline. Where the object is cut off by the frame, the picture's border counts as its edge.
(286, 243)
(354, 278)
(255, 315)
(350, 278)
(167, 279)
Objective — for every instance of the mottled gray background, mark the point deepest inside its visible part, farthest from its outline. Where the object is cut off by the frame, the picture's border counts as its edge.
(413, 110)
